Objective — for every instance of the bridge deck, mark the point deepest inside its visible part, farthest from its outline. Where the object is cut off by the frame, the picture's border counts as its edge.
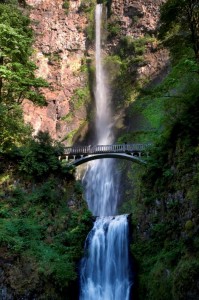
(115, 148)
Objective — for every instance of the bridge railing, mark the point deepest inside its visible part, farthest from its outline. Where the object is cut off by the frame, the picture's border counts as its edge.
(116, 148)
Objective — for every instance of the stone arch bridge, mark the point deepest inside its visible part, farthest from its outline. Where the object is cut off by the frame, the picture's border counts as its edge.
(77, 155)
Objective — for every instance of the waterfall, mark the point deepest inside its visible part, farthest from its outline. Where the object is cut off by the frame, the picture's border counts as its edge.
(103, 111)
(105, 272)
(101, 178)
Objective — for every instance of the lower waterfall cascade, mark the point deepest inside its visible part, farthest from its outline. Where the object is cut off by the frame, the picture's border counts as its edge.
(105, 273)
(105, 269)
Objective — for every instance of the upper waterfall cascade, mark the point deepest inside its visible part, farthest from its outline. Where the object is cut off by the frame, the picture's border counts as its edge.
(101, 187)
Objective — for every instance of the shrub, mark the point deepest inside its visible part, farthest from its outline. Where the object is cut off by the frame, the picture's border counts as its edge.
(113, 28)
(160, 285)
(40, 156)
(66, 6)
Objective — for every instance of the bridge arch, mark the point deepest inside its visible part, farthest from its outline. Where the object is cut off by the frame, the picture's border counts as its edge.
(77, 155)
(81, 160)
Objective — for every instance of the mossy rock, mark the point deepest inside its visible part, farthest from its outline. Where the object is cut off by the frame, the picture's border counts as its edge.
(189, 225)
(186, 278)
(160, 282)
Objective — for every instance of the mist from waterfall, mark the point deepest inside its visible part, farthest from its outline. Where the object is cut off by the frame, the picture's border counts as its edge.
(105, 269)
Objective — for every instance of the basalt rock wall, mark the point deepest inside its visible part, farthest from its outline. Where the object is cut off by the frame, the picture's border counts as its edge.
(61, 45)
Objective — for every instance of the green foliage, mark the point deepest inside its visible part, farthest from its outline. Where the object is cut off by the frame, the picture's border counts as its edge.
(13, 131)
(115, 67)
(172, 160)
(90, 33)
(165, 104)
(160, 282)
(160, 195)
(53, 58)
(159, 259)
(18, 232)
(88, 7)
(154, 114)
(122, 69)
(189, 225)
(80, 97)
(185, 279)
(66, 6)
(40, 156)
(52, 236)
(69, 137)
(130, 46)
(167, 167)
(113, 28)
(180, 20)
(17, 79)
(117, 70)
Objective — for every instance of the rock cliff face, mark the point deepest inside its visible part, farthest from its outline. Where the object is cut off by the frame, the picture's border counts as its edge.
(138, 19)
(59, 48)
(61, 45)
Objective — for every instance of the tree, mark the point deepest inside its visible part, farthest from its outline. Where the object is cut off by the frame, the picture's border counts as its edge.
(39, 157)
(17, 71)
(17, 75)
(13, 131)
(180, 18)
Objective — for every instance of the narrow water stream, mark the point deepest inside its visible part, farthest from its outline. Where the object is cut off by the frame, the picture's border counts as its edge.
(105, 272)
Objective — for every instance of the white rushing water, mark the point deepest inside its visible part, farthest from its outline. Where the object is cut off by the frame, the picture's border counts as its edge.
(105, 269)
(103, 110)
(105, 273)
